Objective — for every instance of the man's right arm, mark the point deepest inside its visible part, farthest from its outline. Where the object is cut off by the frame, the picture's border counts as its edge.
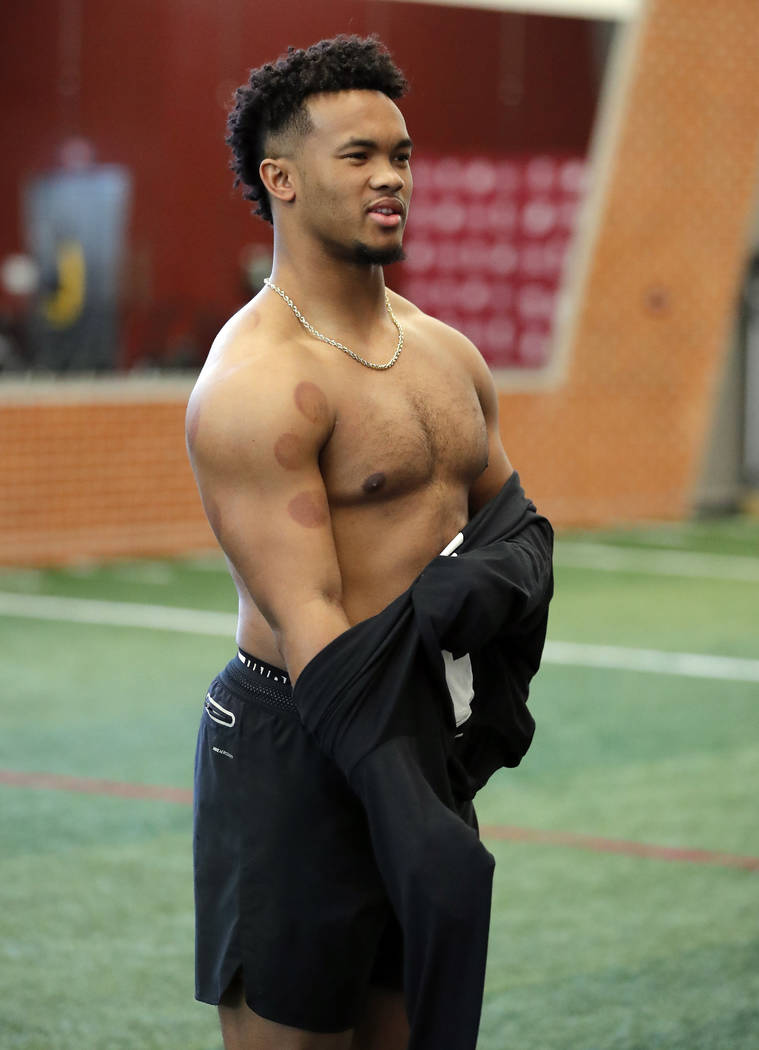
(254, 445)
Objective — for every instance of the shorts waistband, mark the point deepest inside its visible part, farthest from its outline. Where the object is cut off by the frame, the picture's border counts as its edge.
(248, 674)
(262, 669)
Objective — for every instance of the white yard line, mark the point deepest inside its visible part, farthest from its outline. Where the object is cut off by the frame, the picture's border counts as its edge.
(657, 562)
(220, 624)
(656, 661)
(118, 614)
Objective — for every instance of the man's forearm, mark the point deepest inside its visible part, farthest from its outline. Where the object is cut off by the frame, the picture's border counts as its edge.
(306, 629)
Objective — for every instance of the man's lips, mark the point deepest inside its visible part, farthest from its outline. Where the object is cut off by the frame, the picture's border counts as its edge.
(387, 212)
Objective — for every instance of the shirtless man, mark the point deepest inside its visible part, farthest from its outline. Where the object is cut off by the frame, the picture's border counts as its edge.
(329, 485)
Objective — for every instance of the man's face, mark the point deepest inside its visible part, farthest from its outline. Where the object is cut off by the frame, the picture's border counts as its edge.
(354, 179)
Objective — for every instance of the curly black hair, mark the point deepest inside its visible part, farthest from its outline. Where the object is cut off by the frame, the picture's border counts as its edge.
(273, 99)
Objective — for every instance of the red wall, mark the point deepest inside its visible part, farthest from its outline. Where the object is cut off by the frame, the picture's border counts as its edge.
(156, 77)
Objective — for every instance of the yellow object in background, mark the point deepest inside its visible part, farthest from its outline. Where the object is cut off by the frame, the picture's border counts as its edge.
(65, 306)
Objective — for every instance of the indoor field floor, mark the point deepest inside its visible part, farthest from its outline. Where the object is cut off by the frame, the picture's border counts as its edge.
(627, 843)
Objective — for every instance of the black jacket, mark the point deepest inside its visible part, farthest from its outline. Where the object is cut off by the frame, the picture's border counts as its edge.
(384, 677)
(376, 701)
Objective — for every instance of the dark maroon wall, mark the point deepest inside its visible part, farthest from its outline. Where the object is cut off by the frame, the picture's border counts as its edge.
(156, 77)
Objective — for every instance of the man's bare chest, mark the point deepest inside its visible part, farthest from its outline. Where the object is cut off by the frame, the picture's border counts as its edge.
(396, 434)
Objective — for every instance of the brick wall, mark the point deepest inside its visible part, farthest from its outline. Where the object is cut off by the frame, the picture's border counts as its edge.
(96, 471)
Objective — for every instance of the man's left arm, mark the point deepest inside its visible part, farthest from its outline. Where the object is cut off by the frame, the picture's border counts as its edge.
(499, 469)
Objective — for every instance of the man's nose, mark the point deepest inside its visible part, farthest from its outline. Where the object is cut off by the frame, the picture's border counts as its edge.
(387, 176)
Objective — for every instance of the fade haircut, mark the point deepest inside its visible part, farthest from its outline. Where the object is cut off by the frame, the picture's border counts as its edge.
(274, 99)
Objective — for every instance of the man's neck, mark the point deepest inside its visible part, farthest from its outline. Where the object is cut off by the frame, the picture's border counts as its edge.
(333, 294)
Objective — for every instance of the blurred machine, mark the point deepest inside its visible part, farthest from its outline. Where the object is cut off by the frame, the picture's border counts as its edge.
(75, 219)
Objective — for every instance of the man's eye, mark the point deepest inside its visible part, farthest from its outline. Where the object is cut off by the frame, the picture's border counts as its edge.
(356, 156)
(403, 158)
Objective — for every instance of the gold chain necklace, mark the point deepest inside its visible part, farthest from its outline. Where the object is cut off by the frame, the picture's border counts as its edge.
(333, 342)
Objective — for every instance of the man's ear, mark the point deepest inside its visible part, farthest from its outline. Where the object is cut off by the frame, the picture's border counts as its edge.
(277, 178)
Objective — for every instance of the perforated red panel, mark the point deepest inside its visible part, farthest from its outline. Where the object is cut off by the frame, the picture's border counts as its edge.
(486, 243)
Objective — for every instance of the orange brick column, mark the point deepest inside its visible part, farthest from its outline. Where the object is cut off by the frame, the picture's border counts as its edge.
(621, 435)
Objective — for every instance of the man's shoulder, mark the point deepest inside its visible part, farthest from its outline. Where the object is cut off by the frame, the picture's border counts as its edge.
(254, 357)
(250, 340)
(254, 380)
(448, 339)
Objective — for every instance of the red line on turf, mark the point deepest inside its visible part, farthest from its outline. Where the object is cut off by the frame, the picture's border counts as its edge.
(504, 832)
(90, 786)
(632, 849)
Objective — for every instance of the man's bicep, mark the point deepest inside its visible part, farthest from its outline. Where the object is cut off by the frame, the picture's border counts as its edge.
(278, 535)
(259, 479)
(499, 469)
(279, 539)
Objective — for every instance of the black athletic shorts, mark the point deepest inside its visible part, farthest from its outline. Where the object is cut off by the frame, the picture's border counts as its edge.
(286, 888)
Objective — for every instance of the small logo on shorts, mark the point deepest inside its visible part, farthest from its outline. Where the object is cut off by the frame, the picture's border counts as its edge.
(221, 751)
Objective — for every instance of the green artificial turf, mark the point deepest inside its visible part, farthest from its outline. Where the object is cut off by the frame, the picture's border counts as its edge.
(589, 950)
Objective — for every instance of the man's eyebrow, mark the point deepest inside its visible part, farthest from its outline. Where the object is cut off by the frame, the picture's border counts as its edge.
(371, 144)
